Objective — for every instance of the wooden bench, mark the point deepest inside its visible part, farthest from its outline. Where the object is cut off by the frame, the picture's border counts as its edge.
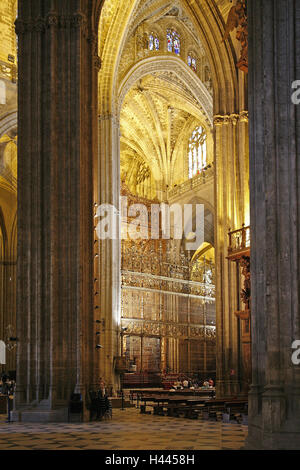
(188, 410)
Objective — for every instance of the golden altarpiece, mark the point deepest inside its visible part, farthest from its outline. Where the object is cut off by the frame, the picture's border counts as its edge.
(167, 308)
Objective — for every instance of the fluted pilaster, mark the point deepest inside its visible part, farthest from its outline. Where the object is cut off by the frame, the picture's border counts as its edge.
(275, 183)
(230, 182)
(110, 250)
(55, 199)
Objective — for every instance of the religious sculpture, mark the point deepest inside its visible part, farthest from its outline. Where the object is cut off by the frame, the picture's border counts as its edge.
(237, 19)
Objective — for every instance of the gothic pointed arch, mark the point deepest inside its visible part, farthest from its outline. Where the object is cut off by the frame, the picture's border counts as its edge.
(165, 63)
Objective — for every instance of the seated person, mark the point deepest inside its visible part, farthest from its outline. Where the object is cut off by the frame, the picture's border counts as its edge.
(211, 382)
(185, 383)
(177, 385)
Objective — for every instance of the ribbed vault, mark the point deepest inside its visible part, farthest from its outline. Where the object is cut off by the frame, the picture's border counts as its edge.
(157, 114)
(205, 20)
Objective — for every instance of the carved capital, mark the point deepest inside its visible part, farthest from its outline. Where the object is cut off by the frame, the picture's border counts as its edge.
(218, 120)
(20, 27)
(52, 19)
(221, 119)
(97, 62)
(244, 116)
(39, 25)
(109, 117)
(234, 119)
(230, 118)
(78, 20)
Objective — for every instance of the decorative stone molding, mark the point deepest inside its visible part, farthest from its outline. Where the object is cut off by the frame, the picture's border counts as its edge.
(218, 120)
(234, 119)
(230, 118)
(109, 117)
(244, 116)
(78, 21)
(140, 327)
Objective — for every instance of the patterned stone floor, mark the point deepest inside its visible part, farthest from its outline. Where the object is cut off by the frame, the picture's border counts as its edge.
(128, 430)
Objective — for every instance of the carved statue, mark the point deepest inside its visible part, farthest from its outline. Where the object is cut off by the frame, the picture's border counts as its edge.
(237, 19)
(246, 291)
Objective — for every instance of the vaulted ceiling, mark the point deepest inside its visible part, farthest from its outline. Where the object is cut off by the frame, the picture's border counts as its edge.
(159, 112)
(154, 119)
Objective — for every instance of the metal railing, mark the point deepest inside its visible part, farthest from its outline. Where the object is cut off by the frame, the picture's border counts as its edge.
(203, 177)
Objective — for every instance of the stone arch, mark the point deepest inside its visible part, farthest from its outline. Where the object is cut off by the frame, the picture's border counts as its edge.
(167, 63)
(209, 25)
(221, 55)
(8, 123)
(211, 29)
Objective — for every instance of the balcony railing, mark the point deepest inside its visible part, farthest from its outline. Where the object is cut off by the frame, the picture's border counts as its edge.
(203, 177)
(239, 242)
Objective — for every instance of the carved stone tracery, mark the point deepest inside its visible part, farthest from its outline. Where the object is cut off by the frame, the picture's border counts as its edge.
(77, 20)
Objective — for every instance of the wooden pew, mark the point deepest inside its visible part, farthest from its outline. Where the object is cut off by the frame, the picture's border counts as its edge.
(235, 410)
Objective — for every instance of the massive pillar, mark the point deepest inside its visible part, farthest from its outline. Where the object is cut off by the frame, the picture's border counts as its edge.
(274, 33)
(230, 177)
(57, 142)
(110, 248)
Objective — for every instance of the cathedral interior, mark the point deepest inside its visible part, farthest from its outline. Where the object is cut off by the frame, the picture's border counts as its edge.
(159, 102)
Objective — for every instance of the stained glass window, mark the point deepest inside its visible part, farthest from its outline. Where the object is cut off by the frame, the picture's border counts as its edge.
(151, 42)
(173, 42)
(197, 151)
(176, 41)
(192, 62)
(170, 41)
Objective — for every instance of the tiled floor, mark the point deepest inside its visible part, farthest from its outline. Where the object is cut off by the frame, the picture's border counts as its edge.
(128, 430)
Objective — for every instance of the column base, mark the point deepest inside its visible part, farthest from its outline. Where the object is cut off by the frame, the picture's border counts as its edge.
(258, 440)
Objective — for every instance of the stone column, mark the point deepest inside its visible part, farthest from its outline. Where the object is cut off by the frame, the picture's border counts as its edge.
(110, 250)
(57, 94)
(228, 215)
(274, 63)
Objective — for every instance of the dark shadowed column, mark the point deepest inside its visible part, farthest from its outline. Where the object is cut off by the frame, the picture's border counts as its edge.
(56, 146)
(274, 63)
